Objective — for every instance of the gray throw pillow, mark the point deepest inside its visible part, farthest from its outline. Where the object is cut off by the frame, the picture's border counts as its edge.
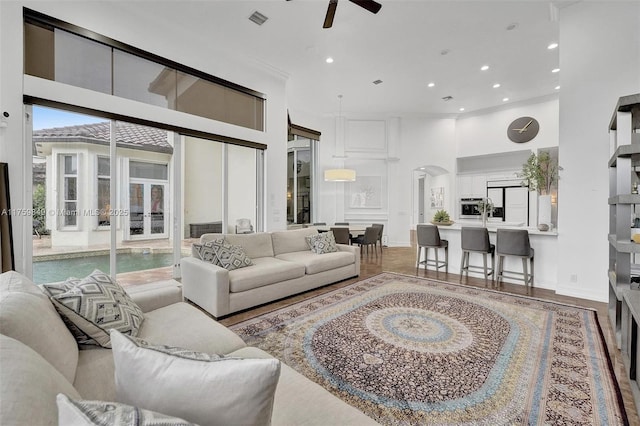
(102, 413)
(206, 252)
(230, 257)
(94, 305)
(321, 243)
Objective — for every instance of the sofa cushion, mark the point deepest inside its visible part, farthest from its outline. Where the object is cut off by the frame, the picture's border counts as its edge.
(315, 263)
(183, 325)
(23, 311)
(29, 385)
(96, 304)
(266, 270)
(94, 375)
(202, 388)
(255, 245)
(292, 240)
(102, 413)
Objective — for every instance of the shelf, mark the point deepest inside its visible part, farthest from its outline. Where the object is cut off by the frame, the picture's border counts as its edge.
(618, 289)
(624, 246)
(625, 199)
(625, 104)
(624, 151)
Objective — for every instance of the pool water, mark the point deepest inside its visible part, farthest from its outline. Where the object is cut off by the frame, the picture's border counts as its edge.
(60, 269)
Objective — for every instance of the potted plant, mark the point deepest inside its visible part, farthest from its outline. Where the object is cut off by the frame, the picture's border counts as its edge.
(441, 218)
(485, 207)
(540, 172)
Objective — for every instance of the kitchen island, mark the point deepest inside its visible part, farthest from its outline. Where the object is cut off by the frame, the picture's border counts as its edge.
(545, 244)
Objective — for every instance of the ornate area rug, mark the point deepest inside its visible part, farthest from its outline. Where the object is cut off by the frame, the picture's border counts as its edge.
(406, 350)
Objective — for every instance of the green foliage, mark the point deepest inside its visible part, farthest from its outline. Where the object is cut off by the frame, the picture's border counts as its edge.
(441, 216)
(540, 172)
(40, 208)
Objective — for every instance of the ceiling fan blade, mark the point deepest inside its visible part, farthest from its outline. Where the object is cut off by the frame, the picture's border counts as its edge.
(331, 12)
(370, 5)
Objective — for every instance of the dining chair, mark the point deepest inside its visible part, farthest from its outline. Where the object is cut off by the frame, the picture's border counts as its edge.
(367, 239)
(515, 243)
(380, 227)
(476, 240)
(341, 235)
(429, 237)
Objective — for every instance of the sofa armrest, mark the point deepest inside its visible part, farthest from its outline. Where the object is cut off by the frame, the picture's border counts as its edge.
(206, 285)
(155, 295)
(356, 252)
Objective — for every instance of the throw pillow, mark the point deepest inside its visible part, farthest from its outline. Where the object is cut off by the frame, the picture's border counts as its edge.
(230, 257)
(324, 242)
(94, 305)
(101, 413)
(202, 388)
(206, 252)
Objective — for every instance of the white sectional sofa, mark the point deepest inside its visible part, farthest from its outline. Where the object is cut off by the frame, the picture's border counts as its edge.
(283, 265)
(39, 357)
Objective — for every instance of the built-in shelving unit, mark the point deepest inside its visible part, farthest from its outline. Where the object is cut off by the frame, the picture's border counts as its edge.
(624, 207)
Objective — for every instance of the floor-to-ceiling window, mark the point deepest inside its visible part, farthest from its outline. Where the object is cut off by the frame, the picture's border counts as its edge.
(300, 184)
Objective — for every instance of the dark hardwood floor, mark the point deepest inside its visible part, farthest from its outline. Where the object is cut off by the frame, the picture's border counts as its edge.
(402, 260)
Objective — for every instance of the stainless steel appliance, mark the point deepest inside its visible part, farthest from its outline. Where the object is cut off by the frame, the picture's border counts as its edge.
(469, 208)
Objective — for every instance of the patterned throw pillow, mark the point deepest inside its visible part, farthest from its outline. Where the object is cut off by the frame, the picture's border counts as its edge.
(101, 413)
(199, 387)
(322, 243)
(230, 257)
(94, 305)
(206, 252)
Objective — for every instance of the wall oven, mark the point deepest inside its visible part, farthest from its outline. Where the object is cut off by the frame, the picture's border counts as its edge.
(469, 208)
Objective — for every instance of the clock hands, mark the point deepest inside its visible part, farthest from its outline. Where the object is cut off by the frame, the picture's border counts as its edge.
(524, 129)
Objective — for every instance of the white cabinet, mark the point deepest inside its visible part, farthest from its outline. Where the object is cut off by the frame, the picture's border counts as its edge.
(472, 186)
(516, 206)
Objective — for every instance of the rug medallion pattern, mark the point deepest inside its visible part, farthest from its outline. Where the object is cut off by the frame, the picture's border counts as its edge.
(406, 350)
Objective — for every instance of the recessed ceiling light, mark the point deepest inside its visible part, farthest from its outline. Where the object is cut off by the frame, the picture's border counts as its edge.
(431, 84)
(447, 98)
(512, 26)
(555, 70)
(505, 99)
(258, 18)
(445, 51)
(329, 60)
(377, 81)
(557, 87)
(484, 67)
(552, 46)
(495, 86)
(461, 109)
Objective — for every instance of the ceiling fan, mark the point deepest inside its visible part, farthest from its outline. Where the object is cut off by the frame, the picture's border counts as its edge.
(370, 5)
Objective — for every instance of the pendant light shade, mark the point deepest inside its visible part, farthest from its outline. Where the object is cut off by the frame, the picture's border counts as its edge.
(339, 175)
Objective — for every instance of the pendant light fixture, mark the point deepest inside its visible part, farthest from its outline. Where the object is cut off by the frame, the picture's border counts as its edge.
(340, 175)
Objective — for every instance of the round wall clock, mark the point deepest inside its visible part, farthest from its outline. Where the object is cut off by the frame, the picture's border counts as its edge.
(523, 129)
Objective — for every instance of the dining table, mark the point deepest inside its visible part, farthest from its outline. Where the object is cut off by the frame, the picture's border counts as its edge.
(354, 230)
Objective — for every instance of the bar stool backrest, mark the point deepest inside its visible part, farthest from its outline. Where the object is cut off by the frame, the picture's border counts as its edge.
(475, 239)
(513, 242)
(428, 235)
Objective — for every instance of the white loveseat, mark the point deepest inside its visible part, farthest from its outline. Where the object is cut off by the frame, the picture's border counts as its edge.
(283, 265)
(39, 357)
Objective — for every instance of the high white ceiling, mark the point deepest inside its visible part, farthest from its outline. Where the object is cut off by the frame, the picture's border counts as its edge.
(402, 46)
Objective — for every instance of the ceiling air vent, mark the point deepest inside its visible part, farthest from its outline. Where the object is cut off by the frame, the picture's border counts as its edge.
(447, 98)
(377, 82)
(258, 18)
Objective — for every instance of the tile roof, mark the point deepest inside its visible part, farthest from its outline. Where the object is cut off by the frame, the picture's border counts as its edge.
(128, 135)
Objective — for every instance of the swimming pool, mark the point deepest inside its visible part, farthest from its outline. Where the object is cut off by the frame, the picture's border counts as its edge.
(48, 271)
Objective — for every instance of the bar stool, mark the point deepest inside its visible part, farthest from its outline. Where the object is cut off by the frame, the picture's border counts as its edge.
(476, 240)
(515, 242)
(429, 237)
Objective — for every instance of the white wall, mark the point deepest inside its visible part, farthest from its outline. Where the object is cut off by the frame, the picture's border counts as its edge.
(148, 32)
(486, 133)
(599, 62)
